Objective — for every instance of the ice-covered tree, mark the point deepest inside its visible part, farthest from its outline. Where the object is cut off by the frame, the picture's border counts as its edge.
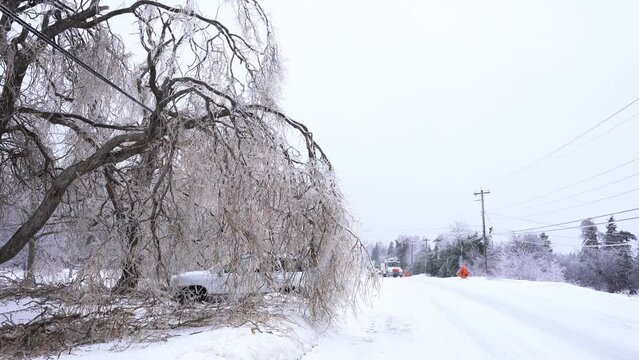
(183, 161)
(459, 244)
(589, 234)
(402, 250)
(423, 259)
(375, 253)
(617, 238)
(528, 257)
(617, 261)
(390, 252)
(545, 239)
(609, 266)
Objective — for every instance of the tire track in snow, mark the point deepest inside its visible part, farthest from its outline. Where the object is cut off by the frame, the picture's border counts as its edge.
(475, 321)
(484, 319)
(542, 324)
(396, 327)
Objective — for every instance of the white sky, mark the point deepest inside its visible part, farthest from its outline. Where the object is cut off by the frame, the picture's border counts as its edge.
(419, 104)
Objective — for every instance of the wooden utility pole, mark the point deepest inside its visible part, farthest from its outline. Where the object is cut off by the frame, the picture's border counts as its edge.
(481, 193)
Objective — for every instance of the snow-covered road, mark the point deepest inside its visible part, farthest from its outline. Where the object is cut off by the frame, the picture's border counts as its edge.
(432, 318)
(474, 319)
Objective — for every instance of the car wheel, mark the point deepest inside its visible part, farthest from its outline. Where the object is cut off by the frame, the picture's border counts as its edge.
(191, 294)
(287, 289)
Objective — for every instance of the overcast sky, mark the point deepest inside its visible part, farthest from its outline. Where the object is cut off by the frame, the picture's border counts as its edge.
(419, 104)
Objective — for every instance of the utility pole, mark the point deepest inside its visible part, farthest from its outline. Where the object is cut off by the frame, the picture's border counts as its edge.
(411, 243)
(481, 193)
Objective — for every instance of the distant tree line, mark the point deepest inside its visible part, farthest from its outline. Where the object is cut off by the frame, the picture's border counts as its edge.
(418, 256)
(606, 261)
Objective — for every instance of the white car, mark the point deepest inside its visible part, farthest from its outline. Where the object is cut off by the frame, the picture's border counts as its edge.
(216, 285)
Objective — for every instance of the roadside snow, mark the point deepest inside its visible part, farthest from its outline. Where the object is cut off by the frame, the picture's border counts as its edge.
(224, 343)
(16, 311)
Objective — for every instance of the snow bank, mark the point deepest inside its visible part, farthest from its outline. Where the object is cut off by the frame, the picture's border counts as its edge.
(241, 343)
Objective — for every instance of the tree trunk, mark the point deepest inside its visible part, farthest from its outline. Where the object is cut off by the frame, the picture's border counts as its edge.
(131, 266)
(61, 183)
(143, 176)
(29, 279)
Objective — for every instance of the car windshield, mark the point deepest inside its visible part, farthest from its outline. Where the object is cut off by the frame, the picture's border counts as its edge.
(392, 264)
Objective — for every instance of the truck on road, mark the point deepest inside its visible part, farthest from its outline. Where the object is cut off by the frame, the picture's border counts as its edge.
(391, 267)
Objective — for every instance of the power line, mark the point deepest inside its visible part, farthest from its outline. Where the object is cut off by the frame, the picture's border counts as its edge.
(561, 237)
(518, 218)
(573, 221)
(399, 229)
(586, 246)
(601, 135)
(586, 203)
(490, 223)
(529, 242)
(587, 191)
(571, 184)
(605, 245)
(558, 149)
(70, 56)
(554, 236)
(575, 227)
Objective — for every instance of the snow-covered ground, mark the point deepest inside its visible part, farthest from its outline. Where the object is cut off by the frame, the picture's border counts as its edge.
(421, 317)
(477, 318)
(240, 343)
(17, 311)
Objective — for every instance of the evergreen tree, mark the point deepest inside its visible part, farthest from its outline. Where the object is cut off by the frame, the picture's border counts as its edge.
(610, 237)
(609, 265)
(545, 241)
(431, 262)
(401, 251)
(614, 237)
(420, 265)
(375, 254)
(589, 234)
(448, 251)
(391, 250)
(433, 256)
(616, 261)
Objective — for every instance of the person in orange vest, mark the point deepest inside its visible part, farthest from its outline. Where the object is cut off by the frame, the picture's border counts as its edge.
(463, 272)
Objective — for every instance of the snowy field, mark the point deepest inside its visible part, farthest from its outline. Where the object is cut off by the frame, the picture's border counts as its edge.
(421, 317)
